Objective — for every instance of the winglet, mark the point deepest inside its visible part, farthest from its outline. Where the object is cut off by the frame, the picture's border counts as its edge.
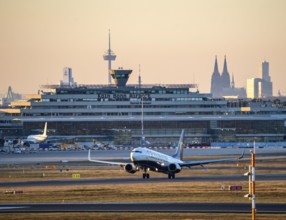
(180, 147)
(241, 156)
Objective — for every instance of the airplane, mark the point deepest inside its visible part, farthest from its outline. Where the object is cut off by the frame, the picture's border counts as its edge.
(150, 160)
(38, 137)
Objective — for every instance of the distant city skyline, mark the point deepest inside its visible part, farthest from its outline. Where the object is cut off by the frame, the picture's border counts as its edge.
(173, 41)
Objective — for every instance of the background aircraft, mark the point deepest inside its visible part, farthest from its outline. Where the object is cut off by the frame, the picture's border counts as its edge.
(150, 160)
(38, 137)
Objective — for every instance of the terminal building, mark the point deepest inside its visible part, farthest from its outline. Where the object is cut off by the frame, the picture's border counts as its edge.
(117, 113)
(127, 114)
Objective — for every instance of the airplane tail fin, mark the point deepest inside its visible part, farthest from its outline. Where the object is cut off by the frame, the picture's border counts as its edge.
(88, 157)
(180, 147)
(45, 129)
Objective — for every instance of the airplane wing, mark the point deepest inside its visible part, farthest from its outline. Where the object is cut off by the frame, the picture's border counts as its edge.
(202, 162)
(105, 162)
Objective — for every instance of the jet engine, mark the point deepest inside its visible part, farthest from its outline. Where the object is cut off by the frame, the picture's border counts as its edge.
(174, 168)
(130, 168)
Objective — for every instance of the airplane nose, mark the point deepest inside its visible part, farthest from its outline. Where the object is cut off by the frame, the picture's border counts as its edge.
(132, 156)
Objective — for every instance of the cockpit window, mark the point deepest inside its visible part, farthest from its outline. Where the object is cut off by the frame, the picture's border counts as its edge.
(137, 150)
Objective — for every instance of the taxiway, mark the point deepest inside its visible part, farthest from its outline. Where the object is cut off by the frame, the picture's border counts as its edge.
(137, 180)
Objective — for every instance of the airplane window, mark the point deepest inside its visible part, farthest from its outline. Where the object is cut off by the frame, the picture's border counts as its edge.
(137, 151)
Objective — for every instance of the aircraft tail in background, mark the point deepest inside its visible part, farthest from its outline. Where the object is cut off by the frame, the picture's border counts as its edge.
(180, 147)
(45, 129)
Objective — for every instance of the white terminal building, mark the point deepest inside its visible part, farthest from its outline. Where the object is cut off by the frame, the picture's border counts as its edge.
(114, 112)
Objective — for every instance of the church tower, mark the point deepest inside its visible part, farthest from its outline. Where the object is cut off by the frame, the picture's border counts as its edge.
(225, 78)
(216, 81)
(232, 82)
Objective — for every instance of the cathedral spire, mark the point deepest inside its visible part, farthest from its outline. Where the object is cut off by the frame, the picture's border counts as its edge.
(225, 77)
(216, 81)
(216, 66)
(225, 65)
(232, 82)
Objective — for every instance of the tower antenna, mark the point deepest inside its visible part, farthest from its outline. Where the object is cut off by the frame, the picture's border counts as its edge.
(109, 56)
(139, 77)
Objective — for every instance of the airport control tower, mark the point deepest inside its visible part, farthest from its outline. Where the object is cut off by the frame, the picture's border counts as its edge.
(109, 56)
(120, 76)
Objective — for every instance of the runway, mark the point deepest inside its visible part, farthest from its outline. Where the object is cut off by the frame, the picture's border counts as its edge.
(143, 207)
(137, 180)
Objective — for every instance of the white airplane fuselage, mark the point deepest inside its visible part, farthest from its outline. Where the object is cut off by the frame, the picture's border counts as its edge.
(155, 161)
(37, 138)
(144, 154)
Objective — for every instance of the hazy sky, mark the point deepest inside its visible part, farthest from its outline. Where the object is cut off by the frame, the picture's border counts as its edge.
(174, 41)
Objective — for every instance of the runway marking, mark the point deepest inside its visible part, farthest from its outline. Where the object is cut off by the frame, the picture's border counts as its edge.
(266, 208)
(14, 207)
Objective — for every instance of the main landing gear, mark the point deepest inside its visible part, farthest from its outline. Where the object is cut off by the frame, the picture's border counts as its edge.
(171, 175)
(145, 174)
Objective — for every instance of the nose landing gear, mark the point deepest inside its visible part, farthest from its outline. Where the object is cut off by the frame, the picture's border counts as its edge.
(146, 175)
(171, 175)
